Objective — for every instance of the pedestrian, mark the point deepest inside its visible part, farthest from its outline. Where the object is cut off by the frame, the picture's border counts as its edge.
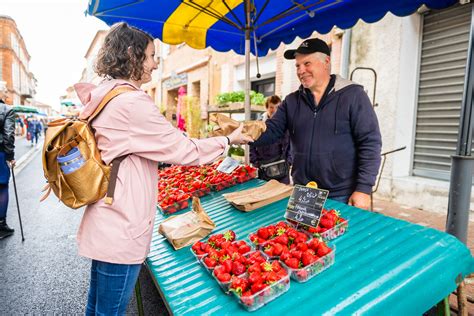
(273, 161)
(7, 160)
(34, 128)
(117, 237)
(334, 132)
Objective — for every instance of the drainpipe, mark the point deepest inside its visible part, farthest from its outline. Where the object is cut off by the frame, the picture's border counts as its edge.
(345, 53)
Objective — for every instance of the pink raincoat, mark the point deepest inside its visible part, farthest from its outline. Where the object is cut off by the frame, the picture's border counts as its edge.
(131, 124)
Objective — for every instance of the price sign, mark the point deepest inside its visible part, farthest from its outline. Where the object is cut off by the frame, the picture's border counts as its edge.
(228, 165)
(306, 204)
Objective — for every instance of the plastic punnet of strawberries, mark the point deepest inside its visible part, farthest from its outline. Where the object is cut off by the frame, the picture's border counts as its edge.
(308, 259)
(274, 239)
(263, 282)
(331, 225)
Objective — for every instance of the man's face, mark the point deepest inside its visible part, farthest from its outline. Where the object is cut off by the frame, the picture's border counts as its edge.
(311, 70)
(271, 109)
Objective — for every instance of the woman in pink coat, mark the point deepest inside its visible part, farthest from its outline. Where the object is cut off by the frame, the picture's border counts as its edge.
(117, 237)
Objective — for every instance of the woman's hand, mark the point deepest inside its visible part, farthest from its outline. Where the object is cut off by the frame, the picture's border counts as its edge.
(237, 138)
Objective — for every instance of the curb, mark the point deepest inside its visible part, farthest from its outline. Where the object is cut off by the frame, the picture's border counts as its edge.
(26, 158)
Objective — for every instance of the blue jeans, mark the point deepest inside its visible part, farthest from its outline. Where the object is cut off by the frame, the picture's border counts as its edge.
(342, 198)
(111, 287)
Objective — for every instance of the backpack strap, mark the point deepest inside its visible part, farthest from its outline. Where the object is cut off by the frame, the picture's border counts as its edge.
(108, 97)
(115, 162)
(113, 179)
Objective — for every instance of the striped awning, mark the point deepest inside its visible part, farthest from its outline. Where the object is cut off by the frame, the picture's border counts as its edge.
(221, 24)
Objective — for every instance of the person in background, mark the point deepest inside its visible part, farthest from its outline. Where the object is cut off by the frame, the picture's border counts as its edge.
(334, 132)
(7, 160)
(34, 128)
(117, 237)
(278, 154)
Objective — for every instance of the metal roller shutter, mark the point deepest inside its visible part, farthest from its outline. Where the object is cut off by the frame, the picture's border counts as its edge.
(444, 51)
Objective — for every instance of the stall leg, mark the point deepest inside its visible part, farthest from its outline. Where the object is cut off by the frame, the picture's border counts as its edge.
(462, 299)
(138, 295)
(443, 307)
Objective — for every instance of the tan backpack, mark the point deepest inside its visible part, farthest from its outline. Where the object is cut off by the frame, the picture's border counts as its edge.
(94, 179)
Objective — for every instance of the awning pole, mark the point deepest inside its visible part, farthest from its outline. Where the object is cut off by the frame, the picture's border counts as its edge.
(462, 163)
(247, 72)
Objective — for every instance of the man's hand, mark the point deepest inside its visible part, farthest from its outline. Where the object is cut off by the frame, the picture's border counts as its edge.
(237, 138)
(360, 200)
(11, 163)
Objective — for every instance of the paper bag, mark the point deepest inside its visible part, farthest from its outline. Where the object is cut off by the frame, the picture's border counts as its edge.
(251, 199)
(224, 125)
(185, 229)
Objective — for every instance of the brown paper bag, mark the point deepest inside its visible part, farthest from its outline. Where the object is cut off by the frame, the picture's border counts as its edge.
(185, 229)
(225, 125)
(251, 199)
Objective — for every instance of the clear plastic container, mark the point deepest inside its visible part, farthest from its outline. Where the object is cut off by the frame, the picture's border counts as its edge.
(175, 207)
(201, 192)
(336, 231)
(259, 299)
(306, 273)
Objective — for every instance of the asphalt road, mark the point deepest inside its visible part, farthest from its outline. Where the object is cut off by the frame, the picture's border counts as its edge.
(44, 274)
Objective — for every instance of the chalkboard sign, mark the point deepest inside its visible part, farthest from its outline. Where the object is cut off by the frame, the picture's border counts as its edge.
(306, 204)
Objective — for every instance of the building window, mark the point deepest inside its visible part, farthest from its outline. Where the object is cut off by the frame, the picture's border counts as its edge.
(444, 49)
(265, 87)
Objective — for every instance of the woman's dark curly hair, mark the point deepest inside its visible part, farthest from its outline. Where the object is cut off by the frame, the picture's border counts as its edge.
(123, 53)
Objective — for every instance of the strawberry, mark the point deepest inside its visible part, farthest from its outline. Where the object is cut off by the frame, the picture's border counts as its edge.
(237, 268)
(263, 233)
(219, 270)
(285, 255)
(227, 265)
(271, 277)
(302, 246)
(296, 254)
(292, 263)
(282, 239)
(277, 249)
(307, 258)
(210, 262)
(327, 223)
(314, 244)
(257, 287)
(244, 249)
(254, 268)
(229, 235)
(223, 277)
(268, 250)
(302, 274)
(255, 278)
(247, 298)
(276, 266)
(323, 250)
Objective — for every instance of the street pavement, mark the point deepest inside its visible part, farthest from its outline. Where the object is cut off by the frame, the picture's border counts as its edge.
(44, 275)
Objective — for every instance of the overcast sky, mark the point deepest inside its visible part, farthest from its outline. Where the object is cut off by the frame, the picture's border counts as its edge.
(57, 35)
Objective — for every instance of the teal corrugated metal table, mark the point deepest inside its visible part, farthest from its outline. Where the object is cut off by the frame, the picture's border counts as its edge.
(384, 266)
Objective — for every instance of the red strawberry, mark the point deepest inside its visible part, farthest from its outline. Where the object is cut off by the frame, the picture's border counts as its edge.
(327, 223)
(219, 270)
(254, 268)
(292, 263)
(237, 268)
(307, 258)
(271, 277)
(223, 277)
(257, 287)
(302, 246)
(296, 254)
(247, 298)
(255, 278)
(302, 274)
(282, 239)
(314, 244)
(285, 255)
(210, 262)
(277, 249)
(229, 235)
(276, 266)
(244, 249)
(323, 250)
(263, 233)
(227, 265)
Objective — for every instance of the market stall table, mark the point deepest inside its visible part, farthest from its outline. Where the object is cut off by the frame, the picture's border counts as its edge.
(383, 266)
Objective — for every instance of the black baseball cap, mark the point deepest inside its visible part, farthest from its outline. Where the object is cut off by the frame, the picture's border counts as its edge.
(309, 46)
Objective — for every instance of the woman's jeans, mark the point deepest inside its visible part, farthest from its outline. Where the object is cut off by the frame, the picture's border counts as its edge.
(111, 287)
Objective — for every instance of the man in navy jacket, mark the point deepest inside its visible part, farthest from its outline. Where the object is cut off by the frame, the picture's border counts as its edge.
(334, 133)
